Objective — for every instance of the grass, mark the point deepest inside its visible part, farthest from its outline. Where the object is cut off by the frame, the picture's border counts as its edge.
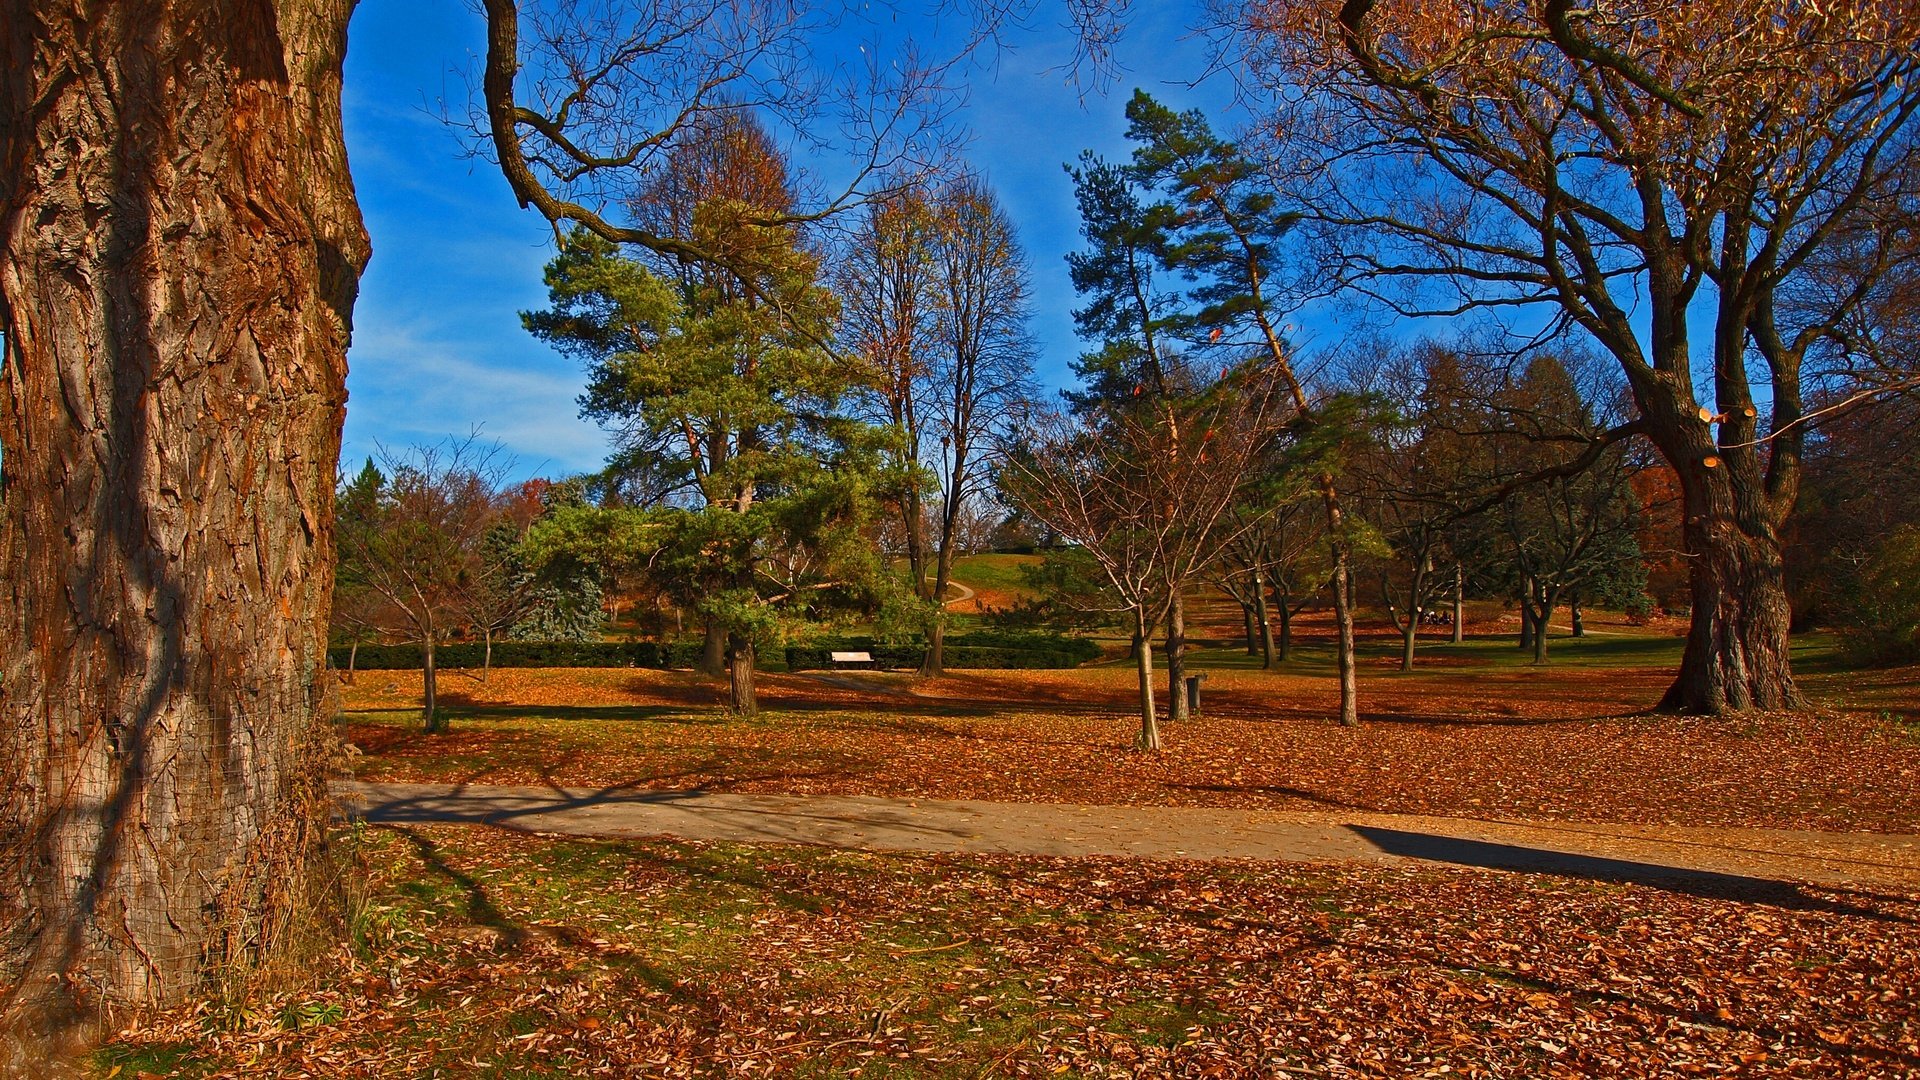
(994, 571)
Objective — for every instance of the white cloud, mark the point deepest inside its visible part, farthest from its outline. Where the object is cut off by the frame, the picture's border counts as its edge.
(414, 384)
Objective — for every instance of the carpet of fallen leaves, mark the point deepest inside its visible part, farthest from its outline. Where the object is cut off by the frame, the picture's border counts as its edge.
(487, 953)
(1573, 743)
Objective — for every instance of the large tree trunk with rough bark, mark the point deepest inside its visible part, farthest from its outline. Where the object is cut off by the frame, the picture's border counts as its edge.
(1736, 655)
(1734, 503)
(179, 253)
(713, 650)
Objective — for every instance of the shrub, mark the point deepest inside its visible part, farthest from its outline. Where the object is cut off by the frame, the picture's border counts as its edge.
(986, 649)
(1882, 624)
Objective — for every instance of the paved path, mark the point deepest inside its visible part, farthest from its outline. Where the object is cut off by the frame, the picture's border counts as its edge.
(1736, 859)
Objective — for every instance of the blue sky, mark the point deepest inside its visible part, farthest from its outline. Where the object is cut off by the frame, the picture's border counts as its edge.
(438, 348)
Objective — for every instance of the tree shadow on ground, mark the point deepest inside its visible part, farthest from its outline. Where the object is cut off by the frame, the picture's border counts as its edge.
(1283, 791)
(1710, 884)
(480, 907)
(760, 820)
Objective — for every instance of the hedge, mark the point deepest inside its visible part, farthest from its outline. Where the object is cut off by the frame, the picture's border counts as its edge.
(531, 654)
(980, 650)
(987, 649)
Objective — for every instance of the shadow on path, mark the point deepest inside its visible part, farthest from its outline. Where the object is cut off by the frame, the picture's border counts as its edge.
(1690, 880)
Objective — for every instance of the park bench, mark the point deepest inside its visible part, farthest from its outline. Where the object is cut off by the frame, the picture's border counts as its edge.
(851, 659)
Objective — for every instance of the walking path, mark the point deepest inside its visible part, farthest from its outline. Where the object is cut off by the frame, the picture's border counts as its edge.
(1737, 860)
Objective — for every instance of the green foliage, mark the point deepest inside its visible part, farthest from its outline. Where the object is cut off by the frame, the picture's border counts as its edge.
(724, 399)
(1223, 225)
(1882, 623)
(987, 649)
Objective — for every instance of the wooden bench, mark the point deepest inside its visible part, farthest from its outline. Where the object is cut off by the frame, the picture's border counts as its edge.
(851, 659)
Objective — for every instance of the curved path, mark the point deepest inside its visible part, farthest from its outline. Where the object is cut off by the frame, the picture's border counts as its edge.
(1744, 861)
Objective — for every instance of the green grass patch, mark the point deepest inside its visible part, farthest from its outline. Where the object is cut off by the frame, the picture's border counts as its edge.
(994, 571)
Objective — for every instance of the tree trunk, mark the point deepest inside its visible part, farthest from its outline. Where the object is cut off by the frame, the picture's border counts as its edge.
(1251, 637)
(486, 655)
(1344, 659)
(1410, 632)
(1176, 658)
(741, 697)
(353, 658)
(1736, 655)
(179, 253)
(1542, 620)
(1264, 619)
(1143, 664)
(1285, 646)
(1574, 615)
(1459, 605)
(713, 650)
(429, 683)
(1526, 619)
(935, 661)
(936, 658)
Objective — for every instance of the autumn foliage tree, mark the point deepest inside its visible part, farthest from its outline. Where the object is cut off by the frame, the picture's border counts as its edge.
(936, 299)
(1665, 177)
(421, 549)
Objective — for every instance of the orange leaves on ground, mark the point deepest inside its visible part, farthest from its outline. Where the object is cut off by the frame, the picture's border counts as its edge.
(1555, 744)
(531, 956)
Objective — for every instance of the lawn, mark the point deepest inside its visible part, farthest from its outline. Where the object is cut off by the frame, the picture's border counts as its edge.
(1475, 731)
(485, 953)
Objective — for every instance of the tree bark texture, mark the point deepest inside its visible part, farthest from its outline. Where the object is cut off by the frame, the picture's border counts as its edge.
(179, 255)
(1736, 656)
(742, 696)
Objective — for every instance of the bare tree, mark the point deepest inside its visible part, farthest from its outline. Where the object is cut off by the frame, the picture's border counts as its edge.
(885, 283)
(1149, 495)
(423, 551)
(982, 367)
(936, 297)
(1604, 162)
